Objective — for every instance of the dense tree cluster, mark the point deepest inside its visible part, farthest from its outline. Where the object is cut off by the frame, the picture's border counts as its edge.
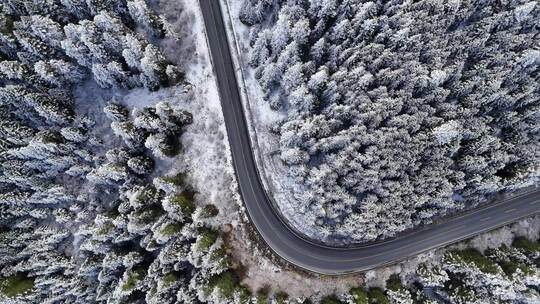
(156, 128)
(398, 111)
(78, 224)
(500, 275)
(63, 44)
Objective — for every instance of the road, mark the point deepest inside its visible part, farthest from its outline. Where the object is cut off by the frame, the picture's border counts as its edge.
(297, 250)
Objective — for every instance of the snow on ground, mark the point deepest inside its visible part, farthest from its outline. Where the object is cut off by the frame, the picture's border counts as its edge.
(528, 228)
(260, 118)
(258, 272)
(205, 154)
(90, 100)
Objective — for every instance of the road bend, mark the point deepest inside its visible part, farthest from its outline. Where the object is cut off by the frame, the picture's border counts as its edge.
(295, 248)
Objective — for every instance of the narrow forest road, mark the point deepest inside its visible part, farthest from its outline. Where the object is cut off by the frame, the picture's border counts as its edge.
(297, 250)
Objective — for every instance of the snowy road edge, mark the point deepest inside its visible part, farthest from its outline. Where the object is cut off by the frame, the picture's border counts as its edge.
(239, 70)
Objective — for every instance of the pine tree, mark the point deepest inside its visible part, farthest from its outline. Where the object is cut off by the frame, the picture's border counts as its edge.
(151, 22)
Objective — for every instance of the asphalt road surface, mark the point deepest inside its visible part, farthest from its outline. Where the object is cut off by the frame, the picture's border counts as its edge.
(294, 248)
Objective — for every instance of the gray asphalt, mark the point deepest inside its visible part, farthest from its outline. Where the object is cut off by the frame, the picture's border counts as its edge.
(294, 248)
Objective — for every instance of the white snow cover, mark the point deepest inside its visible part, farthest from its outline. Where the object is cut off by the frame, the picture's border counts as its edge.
(205, 153)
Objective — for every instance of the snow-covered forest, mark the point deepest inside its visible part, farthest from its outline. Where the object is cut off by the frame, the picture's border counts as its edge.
(507, 274)
(397, 112)
(115, 178)
(86, 213)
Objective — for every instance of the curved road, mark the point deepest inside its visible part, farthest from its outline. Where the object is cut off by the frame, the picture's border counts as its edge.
(295, 249)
